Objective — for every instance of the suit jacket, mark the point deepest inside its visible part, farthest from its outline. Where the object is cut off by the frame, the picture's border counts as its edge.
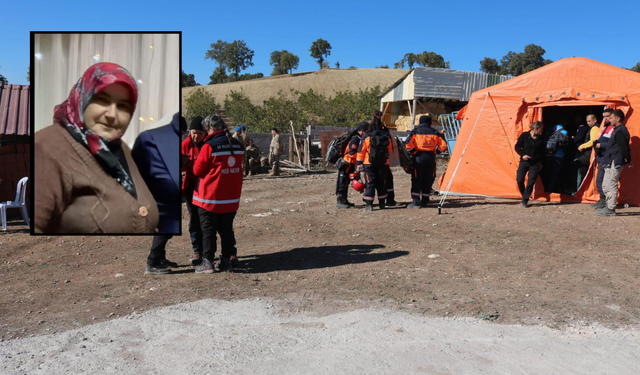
(73, 193)
(157, 154)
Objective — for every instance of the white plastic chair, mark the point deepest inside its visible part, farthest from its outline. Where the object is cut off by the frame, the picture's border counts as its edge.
(17, 203)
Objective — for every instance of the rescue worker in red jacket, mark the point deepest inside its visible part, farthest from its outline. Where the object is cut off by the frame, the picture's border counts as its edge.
(375, 163)
(388, 179)
(423, 143)
(189, 149)
(350, 156)
(219, 167)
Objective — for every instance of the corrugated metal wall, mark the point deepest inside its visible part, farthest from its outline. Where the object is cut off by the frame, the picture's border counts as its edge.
(438, 83)
(441, 84)
(15, 115)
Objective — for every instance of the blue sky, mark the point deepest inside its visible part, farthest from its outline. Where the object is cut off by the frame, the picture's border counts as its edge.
(364, 34)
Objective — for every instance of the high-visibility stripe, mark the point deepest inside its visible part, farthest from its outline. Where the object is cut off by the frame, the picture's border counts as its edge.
(415, 194)
(229, 201)
(222, 153)
(382, 196)
(367, 198)
(388, 190)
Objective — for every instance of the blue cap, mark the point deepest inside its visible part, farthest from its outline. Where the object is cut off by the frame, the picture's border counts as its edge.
(238, 128)
(243, 127)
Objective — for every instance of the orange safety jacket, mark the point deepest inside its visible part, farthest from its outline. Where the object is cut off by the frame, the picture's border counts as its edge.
(426, 139)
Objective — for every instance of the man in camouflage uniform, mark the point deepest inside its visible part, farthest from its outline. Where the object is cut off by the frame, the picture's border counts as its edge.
(243, 138)
(275, 150)
(252, 156)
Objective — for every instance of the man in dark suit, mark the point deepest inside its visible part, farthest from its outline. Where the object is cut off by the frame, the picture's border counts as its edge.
(157, 155)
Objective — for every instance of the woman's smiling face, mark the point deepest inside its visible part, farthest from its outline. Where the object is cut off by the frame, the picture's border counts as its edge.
(109, 112)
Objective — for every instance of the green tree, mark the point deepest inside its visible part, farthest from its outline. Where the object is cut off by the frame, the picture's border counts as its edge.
(283, 62)
(29, 74)
(383, 67)
(431, 60)
(636, 68)
(219, 76)
(289, 62)
(410, 58)
(200, 103)
(320, 49)
(489, 65)
(241, 111)
(337, 64)
(217, 53)
(3, 80)
(248, 76)
(186, 80)
(278, 111)
(517, 63)
(274, 60)
(399, 64)
(238, 57)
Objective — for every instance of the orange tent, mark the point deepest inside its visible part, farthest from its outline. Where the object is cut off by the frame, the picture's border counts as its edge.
(484, 161)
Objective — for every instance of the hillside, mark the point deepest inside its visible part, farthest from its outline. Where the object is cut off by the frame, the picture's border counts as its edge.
(325, 81)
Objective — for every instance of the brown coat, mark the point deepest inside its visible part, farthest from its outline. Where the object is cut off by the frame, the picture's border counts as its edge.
(73, 193)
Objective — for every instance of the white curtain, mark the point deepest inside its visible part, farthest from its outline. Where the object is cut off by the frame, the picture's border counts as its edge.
(152, 59)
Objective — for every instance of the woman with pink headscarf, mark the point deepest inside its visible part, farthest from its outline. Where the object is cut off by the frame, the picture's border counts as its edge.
(85, 178)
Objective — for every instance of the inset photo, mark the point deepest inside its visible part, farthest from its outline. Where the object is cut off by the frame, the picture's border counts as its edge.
(107, 133)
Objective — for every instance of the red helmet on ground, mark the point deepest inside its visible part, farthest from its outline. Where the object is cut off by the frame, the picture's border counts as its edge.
(359, 186)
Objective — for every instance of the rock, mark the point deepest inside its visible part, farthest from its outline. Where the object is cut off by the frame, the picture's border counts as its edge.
(433, 256)
(119, 274)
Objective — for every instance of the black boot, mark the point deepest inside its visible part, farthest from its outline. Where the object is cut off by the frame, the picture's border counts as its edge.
(424, 202)
(368, 206)
(599, 204)
(391, 200)
(342, 202)
(414, 204)
(381, 204)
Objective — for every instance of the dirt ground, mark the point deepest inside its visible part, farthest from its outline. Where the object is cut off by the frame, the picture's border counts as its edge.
(556, 265)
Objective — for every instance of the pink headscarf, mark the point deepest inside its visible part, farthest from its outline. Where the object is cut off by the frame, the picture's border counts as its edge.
(70, 114)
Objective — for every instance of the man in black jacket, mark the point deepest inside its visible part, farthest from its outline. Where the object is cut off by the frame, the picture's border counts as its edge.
(531, 148)
(617, 156)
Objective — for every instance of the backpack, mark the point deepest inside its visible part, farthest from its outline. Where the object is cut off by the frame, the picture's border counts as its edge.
(336, 148)
(558, 139)
(378, 148)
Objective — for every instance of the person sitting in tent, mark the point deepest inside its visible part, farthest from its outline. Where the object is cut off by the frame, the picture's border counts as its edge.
(556, 144)
(531, 148)
(423, 143)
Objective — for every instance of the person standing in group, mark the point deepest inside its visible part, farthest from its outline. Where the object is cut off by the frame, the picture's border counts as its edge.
(241, 135)
(373, 159)
(275, 150)
(583, 158)
(423, 143)
(156, 157)
(219, 167)
(349, 158)
(190, 150)
(617, 156)
(600, 146)
(376, 122)
(531, 147)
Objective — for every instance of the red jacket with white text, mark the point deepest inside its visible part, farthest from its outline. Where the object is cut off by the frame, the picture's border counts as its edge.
(219, 167)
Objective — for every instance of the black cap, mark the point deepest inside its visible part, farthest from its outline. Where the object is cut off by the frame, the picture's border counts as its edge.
(196, 123)
(425, 120)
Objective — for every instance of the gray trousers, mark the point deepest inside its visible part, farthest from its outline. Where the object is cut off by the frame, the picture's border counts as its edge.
(610, 185)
